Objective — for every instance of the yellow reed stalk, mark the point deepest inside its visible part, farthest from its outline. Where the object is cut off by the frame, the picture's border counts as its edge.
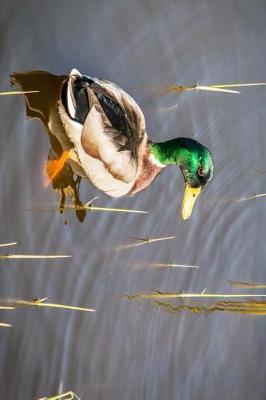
(41, 303)
(251, 197)
(160, 295)
(89, 208)
(162, 265)
(142, 242)
(8, 244)
(18, 92)
(4, 325)
(151, 240)
(232, 85)
(64, 396)
(224, 88)
(32, 256)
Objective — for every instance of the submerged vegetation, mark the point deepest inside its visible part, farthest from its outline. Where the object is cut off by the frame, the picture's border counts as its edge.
(251, 307)
(247, 285)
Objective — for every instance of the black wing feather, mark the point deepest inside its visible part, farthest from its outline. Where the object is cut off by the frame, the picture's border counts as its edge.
(119, 119)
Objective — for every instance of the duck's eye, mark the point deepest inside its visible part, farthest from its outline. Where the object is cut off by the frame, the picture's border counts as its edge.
(201, 171)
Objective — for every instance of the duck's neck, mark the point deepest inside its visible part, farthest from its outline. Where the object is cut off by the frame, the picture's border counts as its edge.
(171, 152)
(155, 157)
(148, 169)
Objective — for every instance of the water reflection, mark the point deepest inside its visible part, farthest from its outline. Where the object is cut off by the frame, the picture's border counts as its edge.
(43, 106)
(251, 307)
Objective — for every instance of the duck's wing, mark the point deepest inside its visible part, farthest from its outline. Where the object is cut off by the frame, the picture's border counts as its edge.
(113, 131)
(111, 125)
(123, 113)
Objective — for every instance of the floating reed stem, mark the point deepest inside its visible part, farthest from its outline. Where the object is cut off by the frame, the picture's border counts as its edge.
(18, 92)
(15, 303)
(162, 265)
(142, 242)
(64, 396)
(251, 197)
(88, 208)
(4, 325)
(160, 295)
(8, 244)
(237, 199)
(151, 240)
(224, 88)
(32, 256)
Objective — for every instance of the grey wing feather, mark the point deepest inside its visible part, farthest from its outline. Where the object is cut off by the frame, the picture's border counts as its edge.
(112, 133)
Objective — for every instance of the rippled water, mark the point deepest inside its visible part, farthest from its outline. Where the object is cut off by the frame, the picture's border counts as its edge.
(129, 350)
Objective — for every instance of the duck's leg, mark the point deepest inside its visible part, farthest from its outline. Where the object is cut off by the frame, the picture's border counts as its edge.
(78, 204)
(62, 201)
(64, 183)
(55, 166)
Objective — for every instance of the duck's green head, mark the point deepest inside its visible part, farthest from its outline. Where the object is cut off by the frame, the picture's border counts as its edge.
(195, 162)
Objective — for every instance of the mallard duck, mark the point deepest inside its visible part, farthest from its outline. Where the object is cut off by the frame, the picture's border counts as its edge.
(102, 132)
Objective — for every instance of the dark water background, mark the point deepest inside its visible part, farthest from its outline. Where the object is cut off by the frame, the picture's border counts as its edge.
(128, 350)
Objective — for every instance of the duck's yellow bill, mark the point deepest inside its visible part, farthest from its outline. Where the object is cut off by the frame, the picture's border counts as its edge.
(190, 196)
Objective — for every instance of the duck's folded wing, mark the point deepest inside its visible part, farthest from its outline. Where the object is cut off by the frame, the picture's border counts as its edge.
(113, 132)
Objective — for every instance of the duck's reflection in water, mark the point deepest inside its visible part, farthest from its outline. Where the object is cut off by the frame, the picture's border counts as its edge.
(43, 105)
(68, 185)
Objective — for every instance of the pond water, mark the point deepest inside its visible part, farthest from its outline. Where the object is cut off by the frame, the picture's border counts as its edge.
(132, 350)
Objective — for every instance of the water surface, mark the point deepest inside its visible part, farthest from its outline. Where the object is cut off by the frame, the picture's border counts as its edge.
(129, 350)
